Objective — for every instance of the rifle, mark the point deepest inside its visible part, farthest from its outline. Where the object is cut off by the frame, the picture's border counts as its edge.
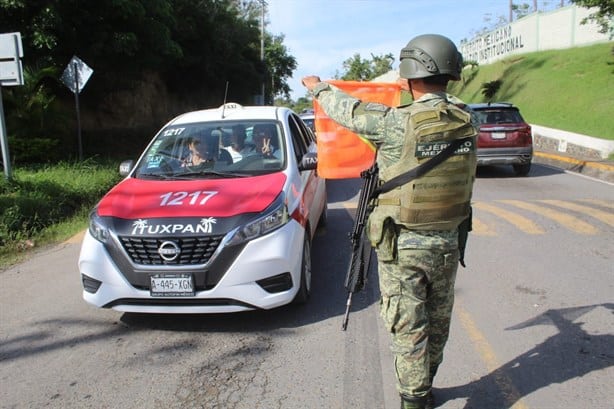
(361, 247)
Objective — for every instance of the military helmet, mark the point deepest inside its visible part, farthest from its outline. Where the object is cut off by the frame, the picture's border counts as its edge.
(428, 55)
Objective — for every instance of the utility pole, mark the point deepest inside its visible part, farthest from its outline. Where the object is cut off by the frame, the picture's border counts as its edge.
(511, 9)
(263, 3)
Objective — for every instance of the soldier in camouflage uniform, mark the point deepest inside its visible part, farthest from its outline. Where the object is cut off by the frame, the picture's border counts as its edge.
(414, 228)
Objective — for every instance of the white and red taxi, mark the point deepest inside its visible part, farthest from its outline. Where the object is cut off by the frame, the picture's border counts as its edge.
(217, 215)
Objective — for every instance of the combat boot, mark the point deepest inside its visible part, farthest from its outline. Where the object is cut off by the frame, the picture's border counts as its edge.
(417, 402)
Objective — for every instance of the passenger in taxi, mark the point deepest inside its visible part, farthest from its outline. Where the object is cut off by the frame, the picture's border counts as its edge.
(198, 154)
(205, 151)
(263, 139)
(237, 148)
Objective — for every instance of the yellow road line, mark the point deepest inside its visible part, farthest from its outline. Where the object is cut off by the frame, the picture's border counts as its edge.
(568, 221)
(481, 229)
(519, 221)
(487, 354)
(605, 217)
(603, 203)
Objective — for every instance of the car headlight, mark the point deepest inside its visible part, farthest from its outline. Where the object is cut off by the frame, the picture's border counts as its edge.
(97, 228)
(275, 217)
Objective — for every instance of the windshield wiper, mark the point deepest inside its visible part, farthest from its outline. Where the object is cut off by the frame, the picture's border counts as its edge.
(153, 176)
(210, 172)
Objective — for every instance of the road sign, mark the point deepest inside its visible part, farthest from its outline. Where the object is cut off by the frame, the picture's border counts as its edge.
(11, 74)
(76, 74)
(11, 52)
(75, 77)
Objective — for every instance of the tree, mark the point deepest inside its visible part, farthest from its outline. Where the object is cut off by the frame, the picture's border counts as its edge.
(279, 64)
(166, 56)
(35, 119)
(114, 36)
(521, 10)
(381, 64)
(603, 16)
(358, 69)
(490, 89)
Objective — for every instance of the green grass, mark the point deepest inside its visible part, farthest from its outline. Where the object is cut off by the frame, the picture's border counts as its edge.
(46, 204)
(571, 90)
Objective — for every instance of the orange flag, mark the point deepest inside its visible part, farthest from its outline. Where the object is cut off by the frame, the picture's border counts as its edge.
(341, 153)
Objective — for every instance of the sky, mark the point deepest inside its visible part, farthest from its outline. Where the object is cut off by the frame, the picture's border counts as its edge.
(321, 34)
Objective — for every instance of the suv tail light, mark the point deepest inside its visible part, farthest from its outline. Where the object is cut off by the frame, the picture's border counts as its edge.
(525, 135)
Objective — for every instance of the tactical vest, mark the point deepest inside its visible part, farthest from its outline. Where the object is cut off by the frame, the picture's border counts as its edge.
(439, 200)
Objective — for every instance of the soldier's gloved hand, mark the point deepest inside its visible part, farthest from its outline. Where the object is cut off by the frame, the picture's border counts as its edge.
(310, 81)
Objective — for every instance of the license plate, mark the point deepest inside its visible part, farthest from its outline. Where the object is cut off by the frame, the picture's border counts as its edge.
(172, 285)
(498, 135)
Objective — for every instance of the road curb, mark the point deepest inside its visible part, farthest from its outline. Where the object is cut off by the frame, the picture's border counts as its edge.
(603, 170)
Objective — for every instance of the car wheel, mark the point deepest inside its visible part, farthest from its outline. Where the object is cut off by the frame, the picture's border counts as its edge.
(522, 169)
(304, 290)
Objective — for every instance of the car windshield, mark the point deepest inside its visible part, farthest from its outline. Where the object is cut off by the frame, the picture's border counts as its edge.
(499, 116)
(214, 150)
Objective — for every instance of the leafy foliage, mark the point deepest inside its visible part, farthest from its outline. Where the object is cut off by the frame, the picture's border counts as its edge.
(34, 117)
(193, 51)
(603, 16)
(279, 64)
(521, 10)
(358, 69)
(490, 89)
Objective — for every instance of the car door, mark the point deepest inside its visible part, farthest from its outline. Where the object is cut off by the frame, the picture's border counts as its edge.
(314, 189)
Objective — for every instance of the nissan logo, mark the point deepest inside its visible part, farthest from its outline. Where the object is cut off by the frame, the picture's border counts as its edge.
(169, 250)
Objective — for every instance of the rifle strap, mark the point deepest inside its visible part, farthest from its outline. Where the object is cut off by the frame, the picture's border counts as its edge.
(421, 169)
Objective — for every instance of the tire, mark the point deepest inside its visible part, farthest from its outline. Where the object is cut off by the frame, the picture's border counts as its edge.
(522, 169)
(304, 291)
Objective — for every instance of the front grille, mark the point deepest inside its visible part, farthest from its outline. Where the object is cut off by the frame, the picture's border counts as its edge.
(194, 250)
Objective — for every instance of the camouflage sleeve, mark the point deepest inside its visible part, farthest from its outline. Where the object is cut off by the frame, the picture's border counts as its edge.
(366, 118)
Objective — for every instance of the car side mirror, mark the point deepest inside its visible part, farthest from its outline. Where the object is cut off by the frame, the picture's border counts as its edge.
(125, 167)
(309, 161)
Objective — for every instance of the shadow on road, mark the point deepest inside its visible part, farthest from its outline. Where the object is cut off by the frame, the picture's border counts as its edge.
(569, 354)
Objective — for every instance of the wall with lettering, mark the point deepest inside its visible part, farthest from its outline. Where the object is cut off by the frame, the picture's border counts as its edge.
(536, 32)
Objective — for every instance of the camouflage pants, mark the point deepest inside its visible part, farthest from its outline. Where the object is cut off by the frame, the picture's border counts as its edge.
(416, 305)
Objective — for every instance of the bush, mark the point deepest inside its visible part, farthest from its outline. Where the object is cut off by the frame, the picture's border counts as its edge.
(34, 150)
(37, 198)
(490, 89)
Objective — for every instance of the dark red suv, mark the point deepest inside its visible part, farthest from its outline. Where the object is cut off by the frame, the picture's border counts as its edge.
(505, 138)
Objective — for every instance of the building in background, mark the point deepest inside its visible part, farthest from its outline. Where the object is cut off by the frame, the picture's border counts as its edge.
(540, 31)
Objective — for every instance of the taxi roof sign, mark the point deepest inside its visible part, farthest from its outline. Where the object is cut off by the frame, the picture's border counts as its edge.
(231, 105)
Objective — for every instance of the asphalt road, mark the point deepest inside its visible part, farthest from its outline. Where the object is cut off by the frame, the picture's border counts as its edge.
(532, 327)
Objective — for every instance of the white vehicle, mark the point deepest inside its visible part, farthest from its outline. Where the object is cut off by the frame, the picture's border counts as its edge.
(309, 117)
(194, 229)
